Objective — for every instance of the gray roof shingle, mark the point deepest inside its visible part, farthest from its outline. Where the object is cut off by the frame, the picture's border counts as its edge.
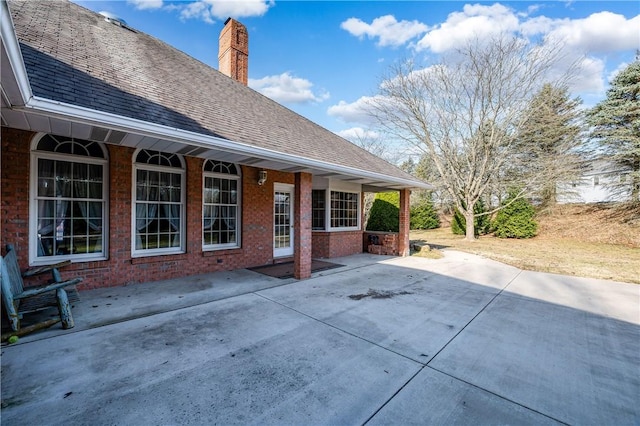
(73, 55)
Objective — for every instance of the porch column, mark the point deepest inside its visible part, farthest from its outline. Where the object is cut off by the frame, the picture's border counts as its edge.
(403, 235)
(302, 226)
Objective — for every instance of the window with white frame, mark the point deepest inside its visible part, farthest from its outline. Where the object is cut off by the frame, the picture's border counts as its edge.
(344, 209)
(318, 209)
(221, 205)
(335, 210)
(69, 200)
(158, 214)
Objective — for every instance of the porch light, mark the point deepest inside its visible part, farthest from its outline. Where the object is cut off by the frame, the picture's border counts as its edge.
(262, 177)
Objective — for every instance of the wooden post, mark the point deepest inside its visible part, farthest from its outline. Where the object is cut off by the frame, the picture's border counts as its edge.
(7, 296)
(65, 309)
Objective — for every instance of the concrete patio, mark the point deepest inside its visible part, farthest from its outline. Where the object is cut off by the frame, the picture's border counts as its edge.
(382, 340)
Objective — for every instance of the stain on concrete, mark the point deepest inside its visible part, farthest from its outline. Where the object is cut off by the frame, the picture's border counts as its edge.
(378, 294)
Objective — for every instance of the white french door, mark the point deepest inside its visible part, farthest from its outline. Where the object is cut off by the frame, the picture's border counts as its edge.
(282, 220)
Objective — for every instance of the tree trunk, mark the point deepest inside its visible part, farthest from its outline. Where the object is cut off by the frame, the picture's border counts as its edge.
(469, 218)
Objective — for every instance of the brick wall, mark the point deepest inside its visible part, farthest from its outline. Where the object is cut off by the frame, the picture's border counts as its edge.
(336, 244)
(386, 243)
(121, 268)
(14, 191)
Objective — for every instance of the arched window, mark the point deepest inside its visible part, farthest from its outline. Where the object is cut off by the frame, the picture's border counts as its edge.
(69, 200)
(221, 205)
(158, 215)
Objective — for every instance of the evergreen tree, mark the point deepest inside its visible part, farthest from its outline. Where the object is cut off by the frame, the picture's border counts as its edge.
(616, 126)
(385, 213)
(423, 214)
(550, 141)
(516, 219)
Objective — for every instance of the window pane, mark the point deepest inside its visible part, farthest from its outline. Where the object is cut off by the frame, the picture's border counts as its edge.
(159, 204)
(95, 173)
(344, 209)
(220, 212)
(63, 179)
(318, 209)
(64, 217)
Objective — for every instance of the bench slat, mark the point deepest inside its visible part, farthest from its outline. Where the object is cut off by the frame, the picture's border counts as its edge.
(34, 291)
(46, 300)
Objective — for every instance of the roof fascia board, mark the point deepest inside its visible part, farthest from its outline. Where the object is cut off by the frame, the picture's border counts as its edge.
(98, 118)
(14, 54)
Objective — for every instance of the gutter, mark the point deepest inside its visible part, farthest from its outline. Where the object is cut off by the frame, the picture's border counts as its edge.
(11, 46)
(117, 122)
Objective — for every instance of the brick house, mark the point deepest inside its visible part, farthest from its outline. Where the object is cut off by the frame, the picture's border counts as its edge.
(139, 163)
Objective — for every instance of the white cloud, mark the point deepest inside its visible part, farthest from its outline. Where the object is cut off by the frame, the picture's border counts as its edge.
(197, 10)
(286, 88)
(358, 134)
(585, 41)
(356, 112)
(537, 25)
(598, 33)
(146, 4)
(475, 21)
(386, 28)
(207, 10)
(588, 77)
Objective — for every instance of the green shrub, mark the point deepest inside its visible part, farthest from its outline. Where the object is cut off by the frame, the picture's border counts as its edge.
(516, 220)
(385, 213)
(424, 215)
(482, 224)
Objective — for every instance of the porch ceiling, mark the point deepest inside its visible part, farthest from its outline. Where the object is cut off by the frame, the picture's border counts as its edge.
(32, 120)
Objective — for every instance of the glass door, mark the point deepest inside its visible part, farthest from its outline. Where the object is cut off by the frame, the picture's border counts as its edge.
(282, 220)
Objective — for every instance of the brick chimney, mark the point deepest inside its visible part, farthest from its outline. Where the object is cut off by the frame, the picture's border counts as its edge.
(233, 53)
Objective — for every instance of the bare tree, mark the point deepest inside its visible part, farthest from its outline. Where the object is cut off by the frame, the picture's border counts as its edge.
(371, 141)
(426, 170)
(467, 111)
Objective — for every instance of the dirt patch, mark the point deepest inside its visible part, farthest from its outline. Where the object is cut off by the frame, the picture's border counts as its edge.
(378, 294)
(604, 223)
(593, 240)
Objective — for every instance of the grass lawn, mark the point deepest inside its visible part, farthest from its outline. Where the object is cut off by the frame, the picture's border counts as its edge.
(575, 240)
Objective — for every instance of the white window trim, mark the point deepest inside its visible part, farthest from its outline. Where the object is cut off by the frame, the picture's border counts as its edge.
(226, 246)
(34, 260)
(328, 211)
(183, 196)
(329, 185)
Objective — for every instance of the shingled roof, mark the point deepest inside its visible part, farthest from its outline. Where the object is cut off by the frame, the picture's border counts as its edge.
(73, 56)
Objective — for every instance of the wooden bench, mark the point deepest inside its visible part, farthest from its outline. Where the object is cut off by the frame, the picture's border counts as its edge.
(19, 300)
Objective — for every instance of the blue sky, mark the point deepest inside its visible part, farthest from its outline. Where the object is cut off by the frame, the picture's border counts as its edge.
(322, 59)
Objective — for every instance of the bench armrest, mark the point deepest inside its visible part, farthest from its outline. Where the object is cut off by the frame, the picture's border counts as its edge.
(50, 287)
(41, 269)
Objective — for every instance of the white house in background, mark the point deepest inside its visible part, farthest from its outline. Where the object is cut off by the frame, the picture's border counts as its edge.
(600, 182)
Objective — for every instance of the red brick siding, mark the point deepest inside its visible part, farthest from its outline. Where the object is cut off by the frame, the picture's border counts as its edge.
(302, 224)
(405, 218)
(14, 191)
(120, 268)
(336, 244)
(386, 243)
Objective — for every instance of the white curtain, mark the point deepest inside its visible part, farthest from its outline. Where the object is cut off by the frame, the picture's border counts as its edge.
(87, 183)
